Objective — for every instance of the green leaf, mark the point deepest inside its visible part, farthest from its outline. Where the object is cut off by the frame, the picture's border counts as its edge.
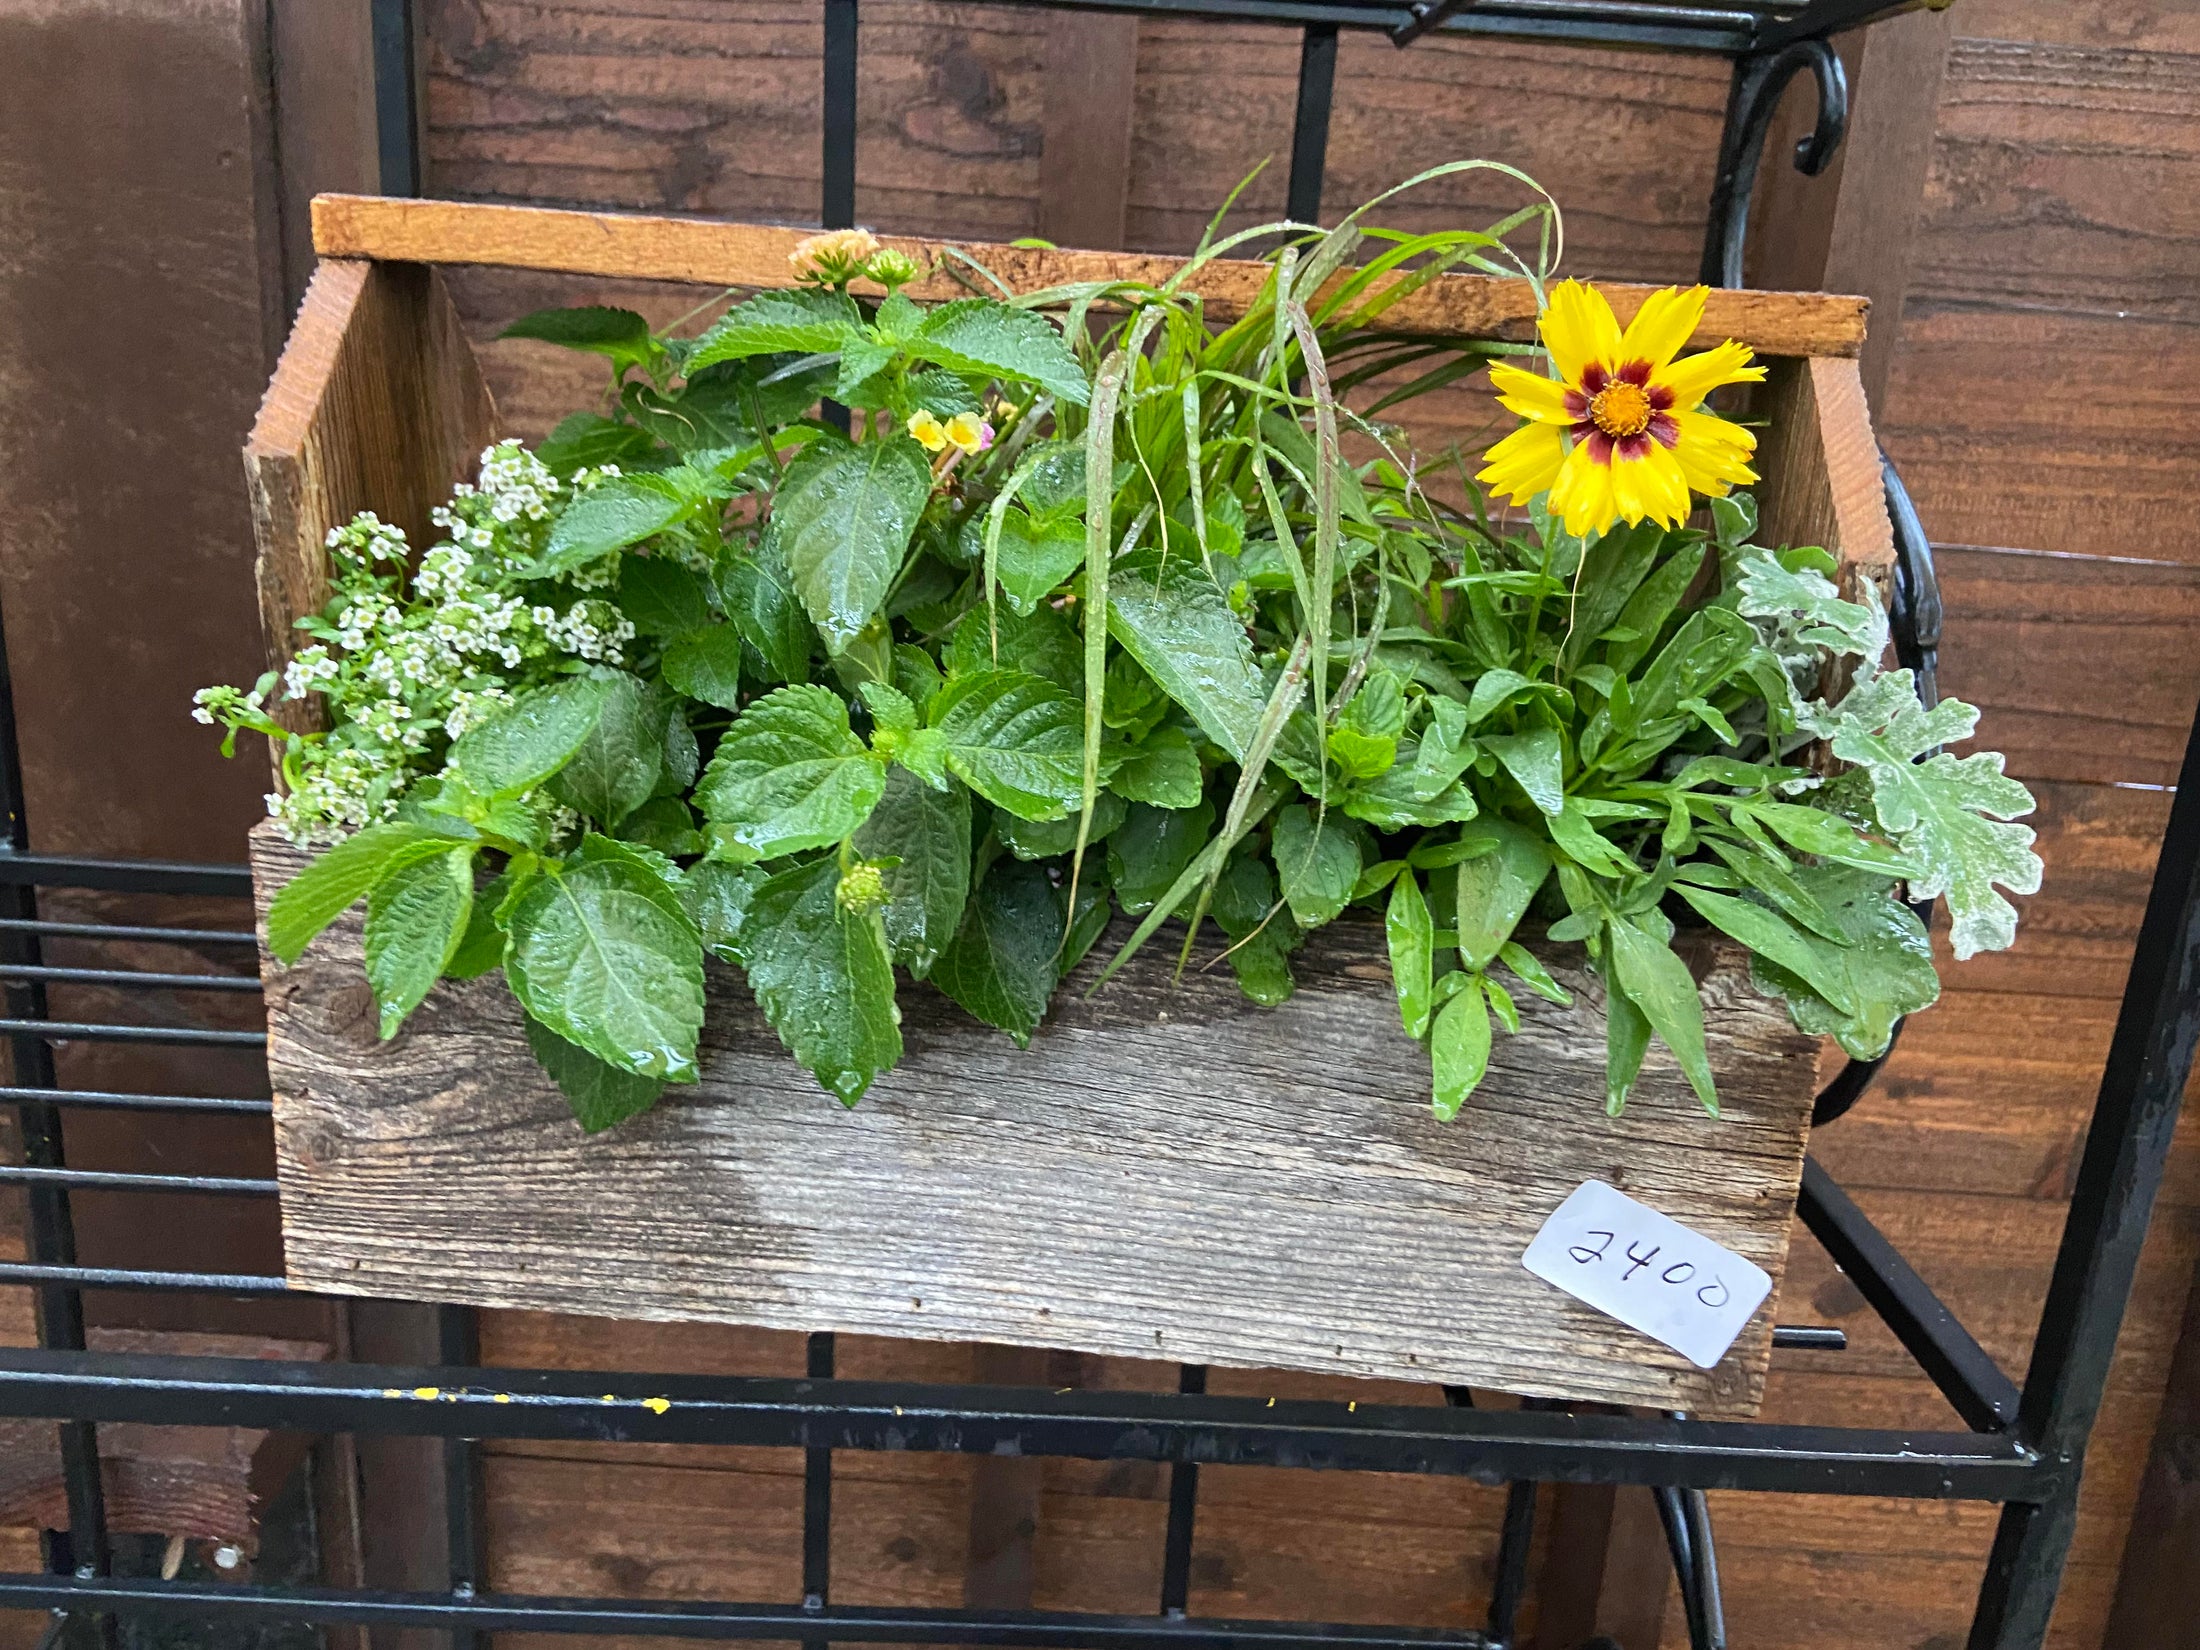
(1769, 935)
(823, 978)
(805, 321)
(1829, 837)
(1399, 798)
(1533, 759)
(532, 738)
(1459, 1049)
(613, 771)
(1658, 983)
(1001, 964)
(790, 774)
(842, 519)
(716, 897)
(1887, 965)
(1036, 557)
(618, 333)
(416, 916)
(705, 664)
(1533, 974)
(1045, 839)
(1014, 739)
(1611, 570)
(665, 824)
(1151, 851)
(1264, 937)
(599, 1094)
(1583, 843)
(929, 832)
(1496, 886)
(1040, 642)
(759, 597)
(1626, 1042)
(979, 335)
(1653, 604)
(590, 440)
(1317, 865)
(1161, 768)
(662, 597)
(1179, 626)
(340, 878)
(861, 360)
(604, 956)
(615, 515)
(1945, 813)
(1806, 608)
(1412, 938)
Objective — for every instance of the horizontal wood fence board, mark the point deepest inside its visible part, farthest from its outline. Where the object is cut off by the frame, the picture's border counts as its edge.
(1168, 1172)
(749, 255)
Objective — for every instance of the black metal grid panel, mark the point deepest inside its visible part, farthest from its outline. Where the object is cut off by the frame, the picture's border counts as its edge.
(2025, 1448)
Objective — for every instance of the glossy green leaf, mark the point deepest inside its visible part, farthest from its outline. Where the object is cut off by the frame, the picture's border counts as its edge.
(1887, 964)
(340, 878)
(603, 954)
(1001, 964)
(1459, 1049)
(805, 321)
(790, 775)
(842, 519)
(1161, 768)
(531, 739)
(1317, 865)
(615, 769)
(1658, 983)
(1179, 626)
(661, 596)
(979, 335)
(1495, 887)
(417, 914)
(1533, 759)
(613, 516)
(759, 597)
(928, 831)
(1412, 939)
(600, 1094)
(823, 978)
(705, 664)
(1014, 739)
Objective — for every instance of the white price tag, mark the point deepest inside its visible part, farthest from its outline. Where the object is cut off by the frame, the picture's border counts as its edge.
(1649, 1271)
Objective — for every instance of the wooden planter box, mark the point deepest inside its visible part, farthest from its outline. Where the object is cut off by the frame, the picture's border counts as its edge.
(1168, 1172)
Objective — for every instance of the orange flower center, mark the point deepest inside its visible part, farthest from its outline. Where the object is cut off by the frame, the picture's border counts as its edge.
(1621, 409)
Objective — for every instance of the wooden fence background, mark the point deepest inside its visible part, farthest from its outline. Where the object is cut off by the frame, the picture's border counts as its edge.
(2019, 198)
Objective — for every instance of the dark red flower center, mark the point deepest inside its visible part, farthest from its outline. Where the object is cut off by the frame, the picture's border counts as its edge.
(1621, 412)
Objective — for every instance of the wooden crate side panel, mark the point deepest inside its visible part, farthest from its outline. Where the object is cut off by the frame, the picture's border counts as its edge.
(377, 404)
(1818, 465)
(1167, 1173)
(634, 247)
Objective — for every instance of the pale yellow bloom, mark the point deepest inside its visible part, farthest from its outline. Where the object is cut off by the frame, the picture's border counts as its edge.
(835, 257)
(1620, 434)
(929, 432)
(970, 432)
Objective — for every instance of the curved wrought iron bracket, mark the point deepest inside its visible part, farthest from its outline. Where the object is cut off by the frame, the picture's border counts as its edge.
(1758, 82)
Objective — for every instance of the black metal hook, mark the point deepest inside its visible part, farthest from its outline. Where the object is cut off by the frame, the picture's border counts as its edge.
(1758, 83)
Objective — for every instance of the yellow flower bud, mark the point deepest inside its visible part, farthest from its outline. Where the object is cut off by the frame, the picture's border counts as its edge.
(862, 889)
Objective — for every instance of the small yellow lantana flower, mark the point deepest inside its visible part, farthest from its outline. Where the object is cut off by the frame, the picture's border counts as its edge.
(1640, 442)
(836, 257)
(970, 432)
(929, 432)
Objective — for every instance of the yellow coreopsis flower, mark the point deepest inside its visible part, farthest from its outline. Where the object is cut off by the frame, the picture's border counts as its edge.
(1620, 433)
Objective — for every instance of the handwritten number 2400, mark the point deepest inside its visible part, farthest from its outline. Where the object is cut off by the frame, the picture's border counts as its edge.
(1680, 1272)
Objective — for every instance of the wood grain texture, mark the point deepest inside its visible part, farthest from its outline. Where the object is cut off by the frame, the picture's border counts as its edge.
(1168, 1173)
(207, 1482)
(1085, 160)
(1819, 472)
(2065, 177)
(755, 255)
(377, 404)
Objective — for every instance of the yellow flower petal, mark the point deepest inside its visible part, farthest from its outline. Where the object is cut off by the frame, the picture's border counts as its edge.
(1582, 497)
(1714, 454)
(1665, 486)
(928, 431)
(1578, 328)
(1525, 463)
(1663, 324)
(1530, 394)
(1697, 376)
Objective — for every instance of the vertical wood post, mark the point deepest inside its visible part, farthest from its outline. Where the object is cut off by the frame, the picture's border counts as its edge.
(1085, 154)
(1854, 226)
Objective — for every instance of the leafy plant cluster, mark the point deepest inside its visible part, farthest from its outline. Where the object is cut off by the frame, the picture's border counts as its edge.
(1131, 612)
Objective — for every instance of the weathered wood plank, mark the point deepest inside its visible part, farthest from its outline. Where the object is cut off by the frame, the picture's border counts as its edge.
(1819, 464)
(1085, 156)
(1167, 1173)
(377, 404)
(754, 255)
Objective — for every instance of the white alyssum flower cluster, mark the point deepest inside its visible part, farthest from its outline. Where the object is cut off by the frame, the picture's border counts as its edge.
(408, 655)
